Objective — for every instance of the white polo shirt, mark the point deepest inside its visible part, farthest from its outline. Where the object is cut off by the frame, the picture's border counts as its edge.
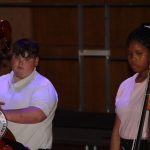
(129, 105)
(34, 90)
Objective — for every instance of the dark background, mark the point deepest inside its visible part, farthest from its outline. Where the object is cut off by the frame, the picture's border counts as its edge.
(56, 30)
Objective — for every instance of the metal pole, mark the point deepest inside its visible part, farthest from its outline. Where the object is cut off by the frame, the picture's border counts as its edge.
(107, 60)
(81, 58)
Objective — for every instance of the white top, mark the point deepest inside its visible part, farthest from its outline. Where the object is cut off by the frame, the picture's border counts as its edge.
(34, 90)
(129, 103)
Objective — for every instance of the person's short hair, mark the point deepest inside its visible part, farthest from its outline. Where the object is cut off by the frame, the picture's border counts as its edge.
(141, 35)
(24, 45)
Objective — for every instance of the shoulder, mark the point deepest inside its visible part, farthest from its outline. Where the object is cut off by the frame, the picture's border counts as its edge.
(126, 85)
(4, 77)
(42, 81)
(129, 80)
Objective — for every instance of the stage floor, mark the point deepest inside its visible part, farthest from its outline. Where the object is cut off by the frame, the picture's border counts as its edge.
(74, 128)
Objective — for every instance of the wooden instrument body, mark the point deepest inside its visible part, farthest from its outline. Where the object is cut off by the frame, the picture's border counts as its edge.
(8, 135)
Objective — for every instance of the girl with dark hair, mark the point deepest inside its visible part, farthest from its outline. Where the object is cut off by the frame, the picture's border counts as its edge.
(131, 93)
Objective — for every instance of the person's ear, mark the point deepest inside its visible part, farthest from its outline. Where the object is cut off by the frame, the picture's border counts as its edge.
(36, 61)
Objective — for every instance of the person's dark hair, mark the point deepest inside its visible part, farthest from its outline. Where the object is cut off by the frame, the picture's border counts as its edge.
(141, 35)
(26, 45)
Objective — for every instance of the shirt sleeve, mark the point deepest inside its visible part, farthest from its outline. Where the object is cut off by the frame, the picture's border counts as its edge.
(119, 93)
(45, 97)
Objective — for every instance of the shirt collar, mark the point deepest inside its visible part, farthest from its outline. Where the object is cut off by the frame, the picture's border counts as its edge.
(22, 83)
